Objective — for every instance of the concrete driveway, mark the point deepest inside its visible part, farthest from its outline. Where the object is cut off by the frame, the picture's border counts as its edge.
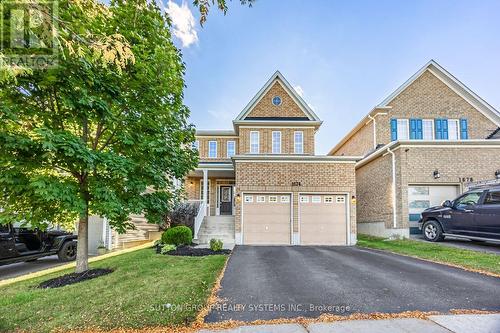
(22, 268)
(286, 281)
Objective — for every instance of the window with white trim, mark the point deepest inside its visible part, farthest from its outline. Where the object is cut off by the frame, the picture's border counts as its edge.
(231, 148)
(273, 198)
(453, 129)
(261, 198)
(340, 200)
(212, 149)
(428, 129)
(276, 142)
(285, 199)
(304, 199)
(254, 142)
(298, 142)
(403, 130)
(316, 199)
(328, 199)
(208, 190)
(248, 198)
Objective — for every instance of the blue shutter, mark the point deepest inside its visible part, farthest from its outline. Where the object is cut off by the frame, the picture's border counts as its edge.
(394, 130)
(438, 128)
(463, 129)
(413, 129)
(420, 131)
(445, 128)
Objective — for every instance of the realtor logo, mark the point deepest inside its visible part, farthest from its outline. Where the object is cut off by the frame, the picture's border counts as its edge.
(28, 33)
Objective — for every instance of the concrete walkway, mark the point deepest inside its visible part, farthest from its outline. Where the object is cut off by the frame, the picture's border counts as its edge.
(487, 323)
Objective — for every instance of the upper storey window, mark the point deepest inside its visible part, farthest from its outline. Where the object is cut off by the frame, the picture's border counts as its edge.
(429, 129)
(276, 100)
(276, 144)
(298, 142)
(254, 142)
(212, 149)
(231, 149)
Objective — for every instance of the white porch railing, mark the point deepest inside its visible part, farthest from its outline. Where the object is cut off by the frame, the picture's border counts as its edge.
(202, 212)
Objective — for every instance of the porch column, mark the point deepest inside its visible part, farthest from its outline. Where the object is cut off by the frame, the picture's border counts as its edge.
(205, 189)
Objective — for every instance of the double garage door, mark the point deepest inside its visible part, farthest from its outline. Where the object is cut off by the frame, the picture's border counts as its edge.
(267, 219)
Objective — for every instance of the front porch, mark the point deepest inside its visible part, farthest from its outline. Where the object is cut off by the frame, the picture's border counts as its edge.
(213, 185)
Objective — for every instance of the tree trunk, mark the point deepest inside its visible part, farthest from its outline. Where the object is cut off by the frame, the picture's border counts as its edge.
(82, 250)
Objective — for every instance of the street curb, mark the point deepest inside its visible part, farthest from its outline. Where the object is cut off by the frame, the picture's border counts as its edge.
(72, 264)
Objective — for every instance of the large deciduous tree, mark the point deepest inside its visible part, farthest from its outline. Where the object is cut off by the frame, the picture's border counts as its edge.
(104, 132)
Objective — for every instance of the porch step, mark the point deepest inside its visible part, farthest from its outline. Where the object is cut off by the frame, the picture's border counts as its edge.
(218, 227)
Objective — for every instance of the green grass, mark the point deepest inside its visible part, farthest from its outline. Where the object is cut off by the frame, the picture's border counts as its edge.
(133, 296)
(466, 258)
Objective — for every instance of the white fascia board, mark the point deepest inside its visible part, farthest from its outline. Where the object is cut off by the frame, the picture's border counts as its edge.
(296, 158)
(394, 145)
(215, 133)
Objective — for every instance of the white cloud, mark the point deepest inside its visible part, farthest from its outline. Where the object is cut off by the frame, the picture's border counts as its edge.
(299, 90)
(183, 23)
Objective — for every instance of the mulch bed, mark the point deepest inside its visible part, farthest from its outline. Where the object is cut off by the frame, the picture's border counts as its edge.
(73, 278)
(195, 252)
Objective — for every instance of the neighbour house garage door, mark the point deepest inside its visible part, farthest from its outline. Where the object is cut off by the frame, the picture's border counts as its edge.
(323, 219)
(266, 219)
(421, 197)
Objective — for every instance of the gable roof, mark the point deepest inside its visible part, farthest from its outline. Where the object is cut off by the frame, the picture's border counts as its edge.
(448, 79)
(277, 77)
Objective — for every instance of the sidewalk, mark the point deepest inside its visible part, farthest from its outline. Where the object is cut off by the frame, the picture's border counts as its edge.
(483, 323)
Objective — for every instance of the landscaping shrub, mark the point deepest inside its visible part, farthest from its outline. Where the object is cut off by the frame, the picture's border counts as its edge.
(215, 244)
(184, 213)
(167, 248)
(180, 235)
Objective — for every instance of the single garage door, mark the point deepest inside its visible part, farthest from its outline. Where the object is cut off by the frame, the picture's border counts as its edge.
(323, 219)
(266, 219)
(421, 197)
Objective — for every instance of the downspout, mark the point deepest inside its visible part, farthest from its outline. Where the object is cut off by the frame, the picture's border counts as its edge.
(374, 131)
(393, 187)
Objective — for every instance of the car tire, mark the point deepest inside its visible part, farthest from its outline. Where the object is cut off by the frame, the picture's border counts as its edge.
(432, 231)
(67, 252)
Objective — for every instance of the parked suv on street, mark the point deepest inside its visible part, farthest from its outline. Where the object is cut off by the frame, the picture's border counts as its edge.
(474, 215)
(19, 244)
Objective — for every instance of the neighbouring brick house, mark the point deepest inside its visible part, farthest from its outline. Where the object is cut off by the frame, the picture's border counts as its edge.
(261, 183)
(427, 142)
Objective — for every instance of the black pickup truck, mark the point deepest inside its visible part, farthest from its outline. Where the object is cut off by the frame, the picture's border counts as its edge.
(18, 244)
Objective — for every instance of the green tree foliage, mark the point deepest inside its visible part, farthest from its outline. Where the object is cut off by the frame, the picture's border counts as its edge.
(104, 132)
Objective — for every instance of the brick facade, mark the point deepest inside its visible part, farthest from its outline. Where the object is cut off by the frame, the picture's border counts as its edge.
(221, 147)
(287, 139)
(426, 98)
(332, 177)
(265, 107)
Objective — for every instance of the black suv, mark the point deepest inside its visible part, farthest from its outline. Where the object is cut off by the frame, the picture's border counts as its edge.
(19, 244)
(473, 215)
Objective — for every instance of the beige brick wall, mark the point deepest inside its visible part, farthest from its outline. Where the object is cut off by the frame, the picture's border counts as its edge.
(221, 147)
(426, 98)
(429, 98)
(359, 144)
(265, 107)
(373, 188)
(278, 177)
(415, 166)
(287, 139)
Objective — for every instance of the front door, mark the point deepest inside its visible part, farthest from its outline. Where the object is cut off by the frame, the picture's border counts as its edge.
(226, 200)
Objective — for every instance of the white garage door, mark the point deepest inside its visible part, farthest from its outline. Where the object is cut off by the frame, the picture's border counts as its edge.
(421, 197)
(266, 219)
(323, 219)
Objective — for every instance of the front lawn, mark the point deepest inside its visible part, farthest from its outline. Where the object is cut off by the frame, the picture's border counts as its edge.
(468, 259)
(146, 289)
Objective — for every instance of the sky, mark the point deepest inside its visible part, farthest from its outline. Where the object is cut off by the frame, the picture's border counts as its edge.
(343, 57)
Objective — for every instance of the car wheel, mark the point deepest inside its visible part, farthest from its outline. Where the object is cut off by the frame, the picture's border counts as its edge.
(432, 231)
(67, 251)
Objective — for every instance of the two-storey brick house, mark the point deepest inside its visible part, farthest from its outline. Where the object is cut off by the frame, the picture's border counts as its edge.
(425, 143)
(261, 183)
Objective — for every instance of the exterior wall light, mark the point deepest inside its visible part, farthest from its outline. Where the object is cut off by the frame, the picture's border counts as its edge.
(436, 174)
(497, 174)
(238, 198)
